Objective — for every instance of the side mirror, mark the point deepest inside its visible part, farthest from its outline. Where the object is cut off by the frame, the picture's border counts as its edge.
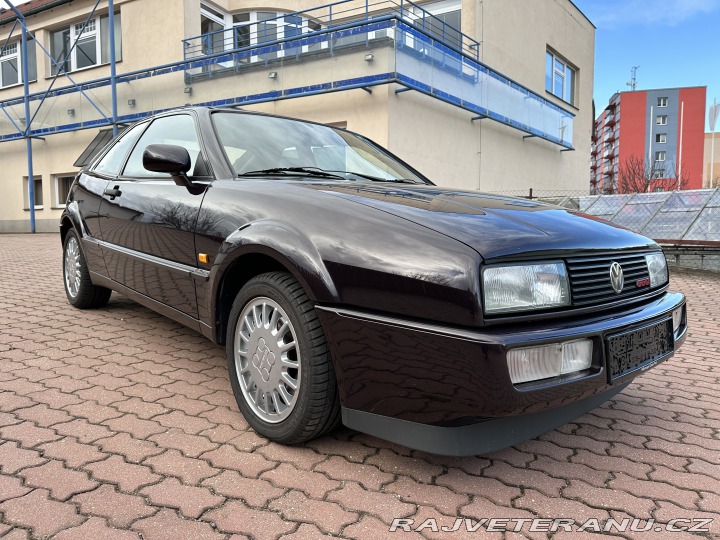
(168, 158)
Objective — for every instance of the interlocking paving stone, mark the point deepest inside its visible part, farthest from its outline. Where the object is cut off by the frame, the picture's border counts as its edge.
(120, 509)
(118, 421)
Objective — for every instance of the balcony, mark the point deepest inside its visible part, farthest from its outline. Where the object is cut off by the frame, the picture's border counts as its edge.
(346, 47)
(610, 135)
(400, 43)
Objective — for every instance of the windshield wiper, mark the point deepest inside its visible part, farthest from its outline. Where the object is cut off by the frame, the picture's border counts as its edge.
(377, 178)
(290, 171)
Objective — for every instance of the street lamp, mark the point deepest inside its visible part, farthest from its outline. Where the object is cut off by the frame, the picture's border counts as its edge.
(712, 118)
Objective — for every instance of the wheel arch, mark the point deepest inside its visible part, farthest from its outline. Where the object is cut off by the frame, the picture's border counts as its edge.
(258, 249)
(65, 225)
(71, 219)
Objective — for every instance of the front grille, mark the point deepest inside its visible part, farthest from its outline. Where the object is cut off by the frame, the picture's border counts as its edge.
(590, 278)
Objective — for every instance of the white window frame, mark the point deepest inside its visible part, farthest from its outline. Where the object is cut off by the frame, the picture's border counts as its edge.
(661, 120)
(566, 66)
(662, 102)
(660, 156)
(58, 203)
(253, 22)
(8, 56)
(86, 34)
(415, 13)
(74, 28)
(660, 138)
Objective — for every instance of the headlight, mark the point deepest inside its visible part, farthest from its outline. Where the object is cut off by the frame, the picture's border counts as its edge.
(657, 267)
(525, 287)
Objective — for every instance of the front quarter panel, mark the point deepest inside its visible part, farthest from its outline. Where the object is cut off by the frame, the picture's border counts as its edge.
(342, 252)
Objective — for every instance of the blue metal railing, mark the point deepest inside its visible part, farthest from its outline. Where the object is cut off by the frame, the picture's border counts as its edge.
(412, 57)
(323, 18)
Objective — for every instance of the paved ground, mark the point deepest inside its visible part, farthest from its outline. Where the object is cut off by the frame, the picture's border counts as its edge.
(119, 423)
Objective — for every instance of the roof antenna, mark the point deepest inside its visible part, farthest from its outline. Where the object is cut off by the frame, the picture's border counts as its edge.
(633, 78)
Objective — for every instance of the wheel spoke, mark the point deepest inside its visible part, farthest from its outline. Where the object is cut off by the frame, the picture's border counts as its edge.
(283, 328)
(285, 361)
(274, 319)
(287, 379)
(285, 347)
(265, 313)
(248, 324)
(275, 401)
(285, 395)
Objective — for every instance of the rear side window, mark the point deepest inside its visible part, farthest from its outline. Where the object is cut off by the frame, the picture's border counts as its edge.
(178, 130)
(112, 162)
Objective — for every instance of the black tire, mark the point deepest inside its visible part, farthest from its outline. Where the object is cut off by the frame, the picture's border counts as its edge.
(87, 296)
(316, 408)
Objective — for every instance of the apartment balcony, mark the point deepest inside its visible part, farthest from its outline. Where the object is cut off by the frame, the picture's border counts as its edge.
(611, 119)
(381, 42)
(336, 47)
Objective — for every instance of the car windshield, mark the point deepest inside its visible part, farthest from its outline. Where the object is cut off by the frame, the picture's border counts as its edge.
(257, 145)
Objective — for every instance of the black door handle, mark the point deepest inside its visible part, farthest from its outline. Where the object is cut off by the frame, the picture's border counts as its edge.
(112, 193)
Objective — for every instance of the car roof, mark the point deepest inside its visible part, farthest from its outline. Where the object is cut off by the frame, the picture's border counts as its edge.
(236, 110)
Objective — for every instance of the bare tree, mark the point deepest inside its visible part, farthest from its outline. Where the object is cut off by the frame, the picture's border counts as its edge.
(635, 175)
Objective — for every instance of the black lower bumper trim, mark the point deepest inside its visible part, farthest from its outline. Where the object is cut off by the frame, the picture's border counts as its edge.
(474, 439)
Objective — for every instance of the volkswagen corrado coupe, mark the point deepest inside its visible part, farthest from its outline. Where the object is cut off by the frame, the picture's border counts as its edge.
(347, 287)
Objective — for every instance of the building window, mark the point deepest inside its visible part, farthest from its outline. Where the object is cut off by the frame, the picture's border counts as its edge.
(224, 31)
(661, 138)
(559, 78)
(92, 48)
(37, 186)
(11, 64)
(62, 189)
(662, 102)
(445, 23)
(661, 120)
(660, 156)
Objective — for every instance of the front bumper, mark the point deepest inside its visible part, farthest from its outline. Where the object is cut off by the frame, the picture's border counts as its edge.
(447, 390)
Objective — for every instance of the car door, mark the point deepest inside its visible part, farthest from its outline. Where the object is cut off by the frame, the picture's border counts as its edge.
(148, 221)
(88, 193)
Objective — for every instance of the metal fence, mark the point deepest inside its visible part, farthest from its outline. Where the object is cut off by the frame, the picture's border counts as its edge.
(690, 217)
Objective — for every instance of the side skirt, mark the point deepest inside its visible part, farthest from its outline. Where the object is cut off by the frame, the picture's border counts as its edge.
(163, 309)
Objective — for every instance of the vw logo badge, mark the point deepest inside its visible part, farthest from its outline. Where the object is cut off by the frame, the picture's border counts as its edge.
(617, 280)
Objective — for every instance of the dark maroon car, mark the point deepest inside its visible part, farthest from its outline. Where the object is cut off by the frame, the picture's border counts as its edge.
(346, 286)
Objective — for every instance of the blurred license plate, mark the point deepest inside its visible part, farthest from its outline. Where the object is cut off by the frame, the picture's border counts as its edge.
(638, 349)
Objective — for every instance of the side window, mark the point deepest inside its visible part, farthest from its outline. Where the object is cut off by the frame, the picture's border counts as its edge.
(178, 130)
(112, 162)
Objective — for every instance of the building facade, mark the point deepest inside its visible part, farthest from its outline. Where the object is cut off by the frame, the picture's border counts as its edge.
(490, 95)
(649, 140)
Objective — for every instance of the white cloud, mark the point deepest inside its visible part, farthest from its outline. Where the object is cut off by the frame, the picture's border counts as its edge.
(616, 13)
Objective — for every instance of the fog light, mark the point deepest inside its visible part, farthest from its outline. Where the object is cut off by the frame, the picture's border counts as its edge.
(535, 363)
(677, 319)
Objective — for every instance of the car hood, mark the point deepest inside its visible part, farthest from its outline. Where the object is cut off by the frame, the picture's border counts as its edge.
(495, 226)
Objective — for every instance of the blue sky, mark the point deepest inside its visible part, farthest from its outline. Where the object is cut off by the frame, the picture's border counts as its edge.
(675, 43)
